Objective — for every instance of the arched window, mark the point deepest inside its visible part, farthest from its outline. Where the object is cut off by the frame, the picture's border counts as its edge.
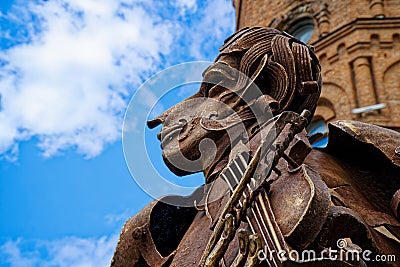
(302, 29)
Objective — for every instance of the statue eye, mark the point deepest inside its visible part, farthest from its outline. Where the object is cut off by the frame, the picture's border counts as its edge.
(182, 122)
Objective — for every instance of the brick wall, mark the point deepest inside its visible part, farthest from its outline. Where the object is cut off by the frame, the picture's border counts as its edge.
(358, 44)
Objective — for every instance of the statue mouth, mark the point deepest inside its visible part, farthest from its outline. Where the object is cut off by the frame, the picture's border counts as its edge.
(168, 134)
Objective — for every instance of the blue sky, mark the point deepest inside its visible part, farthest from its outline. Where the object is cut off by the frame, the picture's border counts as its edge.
(68, 71)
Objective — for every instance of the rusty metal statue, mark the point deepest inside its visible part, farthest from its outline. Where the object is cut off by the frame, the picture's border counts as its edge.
(270, 199)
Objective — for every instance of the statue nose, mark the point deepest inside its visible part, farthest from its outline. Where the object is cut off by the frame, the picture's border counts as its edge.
(155, 122)
(158, 120)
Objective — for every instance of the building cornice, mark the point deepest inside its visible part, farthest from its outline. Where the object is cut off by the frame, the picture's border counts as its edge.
(358, 24)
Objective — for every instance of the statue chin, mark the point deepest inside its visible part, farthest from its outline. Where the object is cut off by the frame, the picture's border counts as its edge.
(176, 165)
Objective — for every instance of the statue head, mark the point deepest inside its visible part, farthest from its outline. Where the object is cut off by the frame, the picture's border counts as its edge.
(259, 73)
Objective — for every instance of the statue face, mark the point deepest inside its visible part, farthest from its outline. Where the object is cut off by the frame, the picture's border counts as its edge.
(259, 71)
(188, 144)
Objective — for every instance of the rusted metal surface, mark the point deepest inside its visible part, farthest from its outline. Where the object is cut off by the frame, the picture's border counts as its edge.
(296, 197)
(385, 140)
(130, 250)
(143, 237)
(395, 204)
(301, 205)
(359, 166)
(243, 249)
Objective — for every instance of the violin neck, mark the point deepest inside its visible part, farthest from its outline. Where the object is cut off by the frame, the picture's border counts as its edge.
(260, 216)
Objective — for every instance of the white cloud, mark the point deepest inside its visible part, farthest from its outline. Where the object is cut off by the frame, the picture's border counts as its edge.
(69, 85)
(119, 218)
(66, 252)
(11, 253)
(218, 26)
(69, 81)
(186, 6)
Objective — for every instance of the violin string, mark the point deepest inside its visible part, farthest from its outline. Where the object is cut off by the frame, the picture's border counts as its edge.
(255, 214)
(256, 204)
(240, 203)
(259, 211)
(248, 219)
(257, 222)
(274, 239)
(274, 236)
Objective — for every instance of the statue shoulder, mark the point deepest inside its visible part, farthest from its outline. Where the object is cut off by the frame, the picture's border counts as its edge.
(364, 141)
(151, 237)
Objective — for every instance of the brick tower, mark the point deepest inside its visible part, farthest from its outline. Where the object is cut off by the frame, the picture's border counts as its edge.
(358, 44)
